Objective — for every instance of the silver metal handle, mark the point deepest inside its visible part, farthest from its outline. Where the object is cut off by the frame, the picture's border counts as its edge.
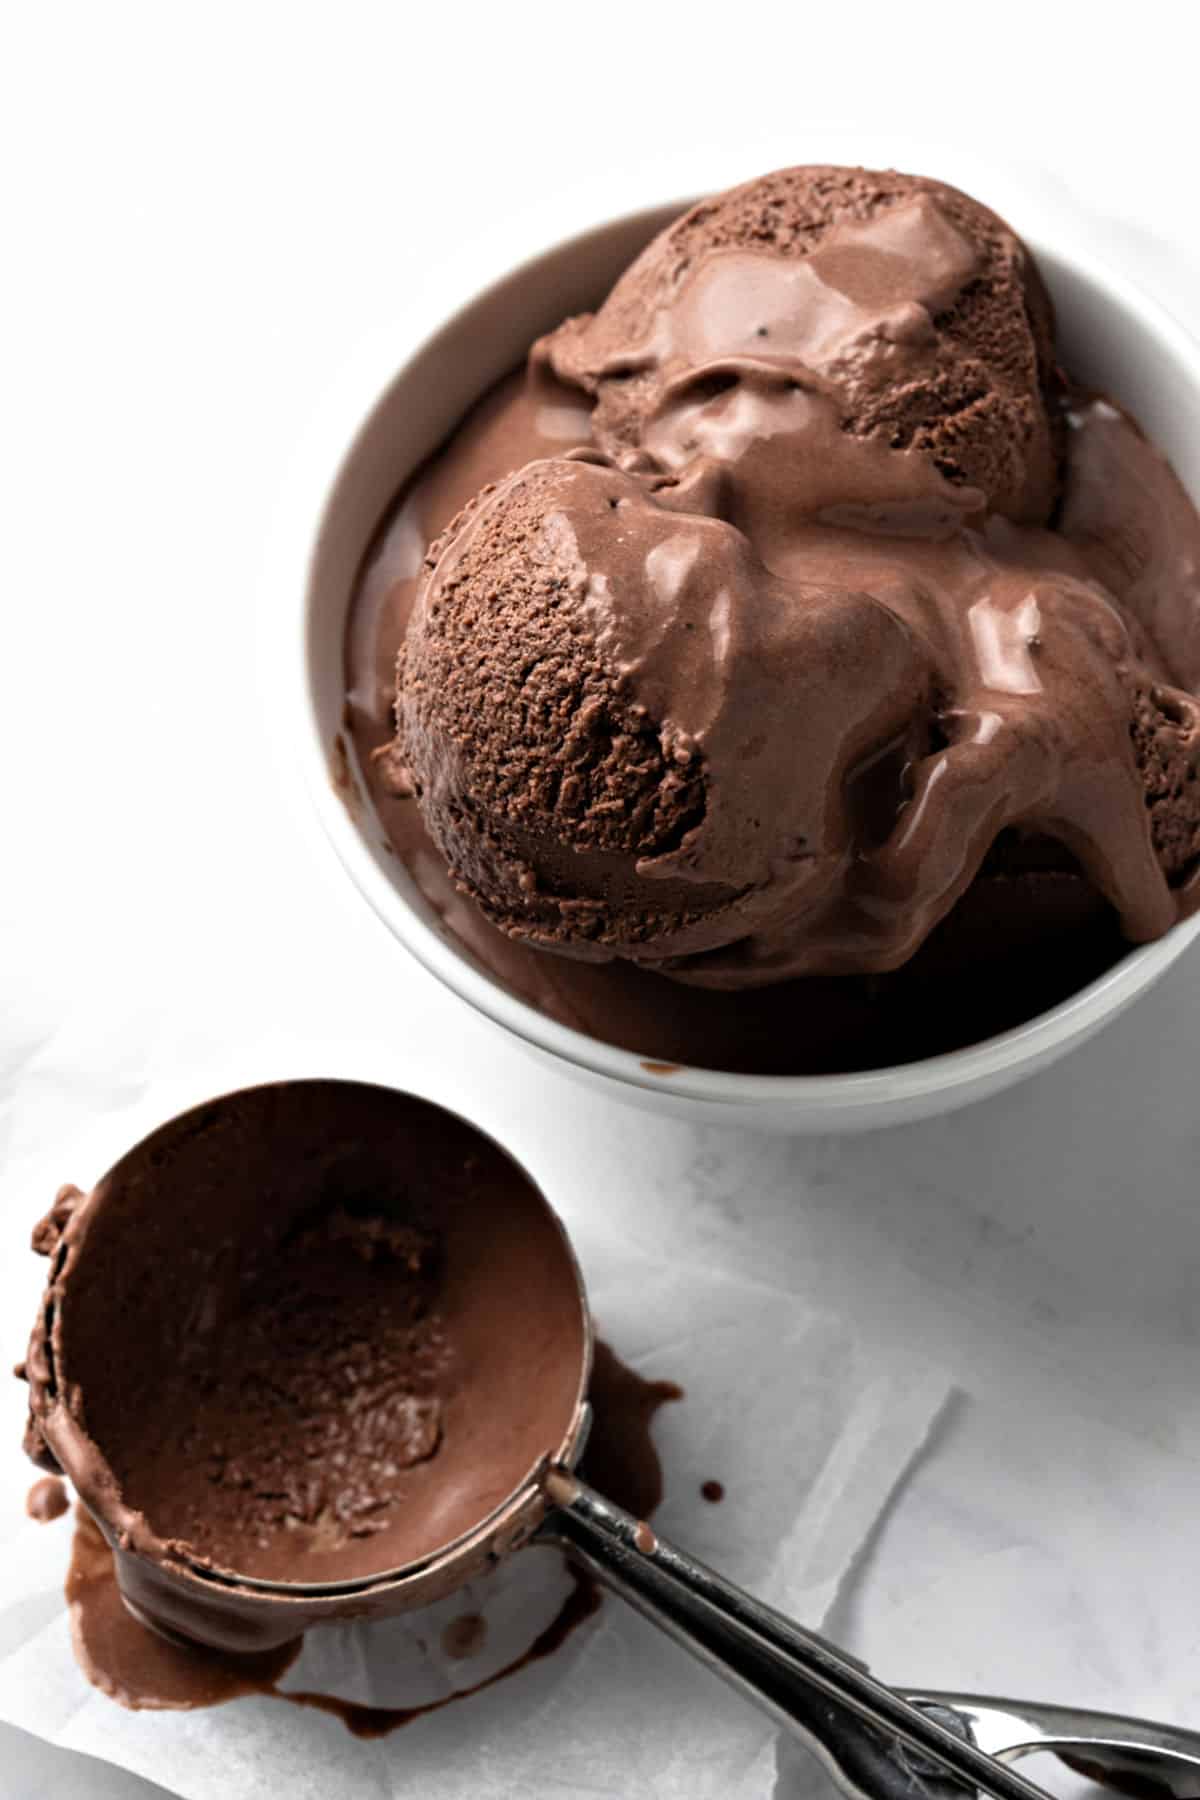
(875, 1744)
(1107, 1747)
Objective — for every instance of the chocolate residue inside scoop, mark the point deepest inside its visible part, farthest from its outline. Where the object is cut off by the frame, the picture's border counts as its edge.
(309, 1333)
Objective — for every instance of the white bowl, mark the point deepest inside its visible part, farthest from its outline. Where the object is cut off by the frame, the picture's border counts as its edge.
(1113, 336)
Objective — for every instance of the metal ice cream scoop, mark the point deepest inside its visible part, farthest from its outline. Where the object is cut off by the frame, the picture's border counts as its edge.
(243, 1177)
(876, 1742)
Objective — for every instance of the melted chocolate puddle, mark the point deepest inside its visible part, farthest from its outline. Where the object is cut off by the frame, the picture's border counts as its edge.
(465, 1636)
(144, 1671)
(134, 1664)
(377, 1721)
(620, 1458)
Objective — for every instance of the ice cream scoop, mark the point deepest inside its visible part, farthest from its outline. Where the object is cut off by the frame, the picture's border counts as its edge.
(633, 740)
(911, 313)
(269, 1358)
(320, 1351)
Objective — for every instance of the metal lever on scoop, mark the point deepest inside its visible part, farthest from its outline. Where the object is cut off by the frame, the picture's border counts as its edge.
(1107, 1747)
(875, 1744)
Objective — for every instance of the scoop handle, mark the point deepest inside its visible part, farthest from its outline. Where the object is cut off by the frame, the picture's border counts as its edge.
(874, 1743)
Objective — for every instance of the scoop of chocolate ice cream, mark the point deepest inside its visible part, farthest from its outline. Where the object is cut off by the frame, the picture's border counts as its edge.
(912, 312)
(628, 737)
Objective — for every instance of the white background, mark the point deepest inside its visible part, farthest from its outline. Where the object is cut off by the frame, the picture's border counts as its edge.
(208, 212)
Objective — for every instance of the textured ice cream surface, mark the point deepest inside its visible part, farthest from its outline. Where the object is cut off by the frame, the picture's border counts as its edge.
(325, 1386)
(915, 311)
(510, 711)
(1166, 739)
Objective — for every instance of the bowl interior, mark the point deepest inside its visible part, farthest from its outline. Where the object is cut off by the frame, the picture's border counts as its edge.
(1113, 338)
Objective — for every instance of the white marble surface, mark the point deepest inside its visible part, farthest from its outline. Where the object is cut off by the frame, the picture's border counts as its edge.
(210, 210)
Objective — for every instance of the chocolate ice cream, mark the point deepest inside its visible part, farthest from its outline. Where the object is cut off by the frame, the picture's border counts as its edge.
(839, 662)
(912, 318)
(632, 738)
